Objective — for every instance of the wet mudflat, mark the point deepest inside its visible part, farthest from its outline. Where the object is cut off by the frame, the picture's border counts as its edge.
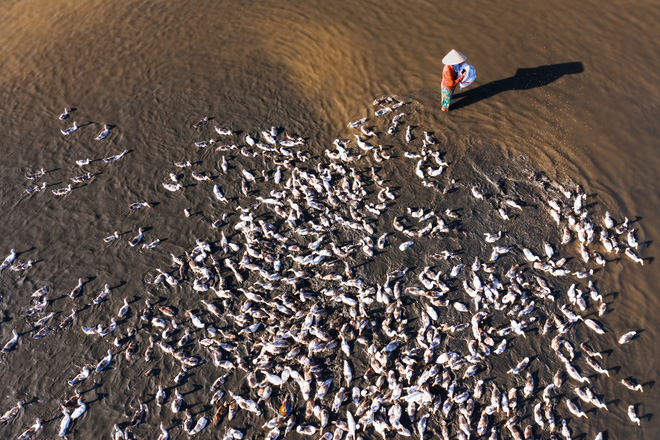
(309, 80)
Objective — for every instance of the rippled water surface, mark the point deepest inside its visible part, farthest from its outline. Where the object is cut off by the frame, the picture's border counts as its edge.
(569, 92)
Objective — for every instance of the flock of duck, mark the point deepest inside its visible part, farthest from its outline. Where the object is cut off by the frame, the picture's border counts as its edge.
(284, 308)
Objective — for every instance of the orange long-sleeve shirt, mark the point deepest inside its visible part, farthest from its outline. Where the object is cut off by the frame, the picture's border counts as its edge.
(450, 78)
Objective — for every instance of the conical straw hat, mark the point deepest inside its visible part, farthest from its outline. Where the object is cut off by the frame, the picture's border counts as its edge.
(454, 57)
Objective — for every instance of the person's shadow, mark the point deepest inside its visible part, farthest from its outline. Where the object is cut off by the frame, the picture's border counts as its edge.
(524, 79)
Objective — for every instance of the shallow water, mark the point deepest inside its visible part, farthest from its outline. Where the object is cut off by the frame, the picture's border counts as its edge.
(151, 69)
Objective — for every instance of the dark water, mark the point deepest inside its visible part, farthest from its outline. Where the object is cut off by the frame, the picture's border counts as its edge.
(586, 110)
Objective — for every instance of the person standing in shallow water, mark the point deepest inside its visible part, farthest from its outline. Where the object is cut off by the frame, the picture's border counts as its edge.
(450, 78)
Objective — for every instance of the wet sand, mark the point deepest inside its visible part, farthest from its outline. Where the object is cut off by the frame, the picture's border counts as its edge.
(577, 110)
